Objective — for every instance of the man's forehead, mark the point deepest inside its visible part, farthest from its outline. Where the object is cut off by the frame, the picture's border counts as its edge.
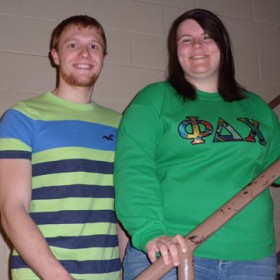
(72, 31)
(80, 27)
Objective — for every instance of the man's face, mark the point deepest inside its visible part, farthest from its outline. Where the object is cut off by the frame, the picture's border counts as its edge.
(79, 56)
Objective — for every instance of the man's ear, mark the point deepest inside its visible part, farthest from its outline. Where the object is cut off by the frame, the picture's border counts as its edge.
(54, 55)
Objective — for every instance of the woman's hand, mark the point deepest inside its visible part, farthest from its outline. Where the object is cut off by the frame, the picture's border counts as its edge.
(168, 248)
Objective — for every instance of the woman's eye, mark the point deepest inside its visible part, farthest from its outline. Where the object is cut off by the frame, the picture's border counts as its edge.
(185, 40)
(207, 37)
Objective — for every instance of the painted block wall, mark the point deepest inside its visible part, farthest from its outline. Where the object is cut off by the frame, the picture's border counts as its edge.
(136, 31)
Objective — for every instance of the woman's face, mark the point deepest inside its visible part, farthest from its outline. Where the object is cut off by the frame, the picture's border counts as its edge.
(198, 54)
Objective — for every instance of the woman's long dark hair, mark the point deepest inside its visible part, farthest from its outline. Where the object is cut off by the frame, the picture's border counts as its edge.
(228, 87)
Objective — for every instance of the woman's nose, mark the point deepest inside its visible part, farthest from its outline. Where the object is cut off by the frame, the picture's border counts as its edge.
(197, 43)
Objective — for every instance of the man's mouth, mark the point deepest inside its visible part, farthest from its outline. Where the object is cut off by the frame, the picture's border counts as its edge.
(83, 66)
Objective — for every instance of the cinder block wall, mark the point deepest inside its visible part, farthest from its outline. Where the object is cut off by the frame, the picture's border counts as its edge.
(136, 32)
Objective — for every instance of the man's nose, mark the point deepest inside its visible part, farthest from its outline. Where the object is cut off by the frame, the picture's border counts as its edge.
(84, 51)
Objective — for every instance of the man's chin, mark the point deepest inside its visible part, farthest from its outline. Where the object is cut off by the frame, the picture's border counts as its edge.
(78, 82)
(83, 84)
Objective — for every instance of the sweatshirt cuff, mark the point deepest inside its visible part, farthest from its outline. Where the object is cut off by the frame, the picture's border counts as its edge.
(142, 242)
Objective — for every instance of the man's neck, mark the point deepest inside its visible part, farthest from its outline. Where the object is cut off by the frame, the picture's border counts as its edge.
(80, 95)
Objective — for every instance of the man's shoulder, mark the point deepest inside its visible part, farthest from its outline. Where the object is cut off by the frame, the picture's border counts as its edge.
(34, 99)
(30, 102)
(109, 114)
(107, 110)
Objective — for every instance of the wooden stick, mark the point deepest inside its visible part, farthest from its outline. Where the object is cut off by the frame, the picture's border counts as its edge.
(275, 102)
(212, 224)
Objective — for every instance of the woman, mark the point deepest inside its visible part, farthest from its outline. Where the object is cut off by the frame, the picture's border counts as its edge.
(185, 147)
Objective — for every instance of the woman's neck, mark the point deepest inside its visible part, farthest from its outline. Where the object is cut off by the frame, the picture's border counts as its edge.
(206, 85)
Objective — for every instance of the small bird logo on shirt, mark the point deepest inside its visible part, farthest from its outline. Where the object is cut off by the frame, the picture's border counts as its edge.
(109, 137)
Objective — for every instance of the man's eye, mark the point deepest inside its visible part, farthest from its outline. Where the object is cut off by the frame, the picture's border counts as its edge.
(94, 46)
(72, 45)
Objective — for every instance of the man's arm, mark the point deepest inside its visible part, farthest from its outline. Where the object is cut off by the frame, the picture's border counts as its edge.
(123, 240)
(15, 197)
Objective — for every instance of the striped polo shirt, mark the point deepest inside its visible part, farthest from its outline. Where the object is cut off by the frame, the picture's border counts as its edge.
(71, 147)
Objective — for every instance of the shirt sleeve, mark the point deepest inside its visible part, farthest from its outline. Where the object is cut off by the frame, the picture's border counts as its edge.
(15, 135)
(274, 148)
(138, 192)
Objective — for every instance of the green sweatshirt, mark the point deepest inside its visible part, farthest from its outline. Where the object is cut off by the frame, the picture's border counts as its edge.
(178, 162)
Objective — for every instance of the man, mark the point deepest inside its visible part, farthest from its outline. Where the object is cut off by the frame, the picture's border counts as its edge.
(56, 165)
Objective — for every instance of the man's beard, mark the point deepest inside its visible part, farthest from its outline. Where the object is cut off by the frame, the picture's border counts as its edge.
(74, 80)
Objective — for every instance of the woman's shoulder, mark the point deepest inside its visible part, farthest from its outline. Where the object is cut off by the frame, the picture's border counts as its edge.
(153, 97)
(156, 91)
(160, 84)
(254, 97)
(256, 103)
